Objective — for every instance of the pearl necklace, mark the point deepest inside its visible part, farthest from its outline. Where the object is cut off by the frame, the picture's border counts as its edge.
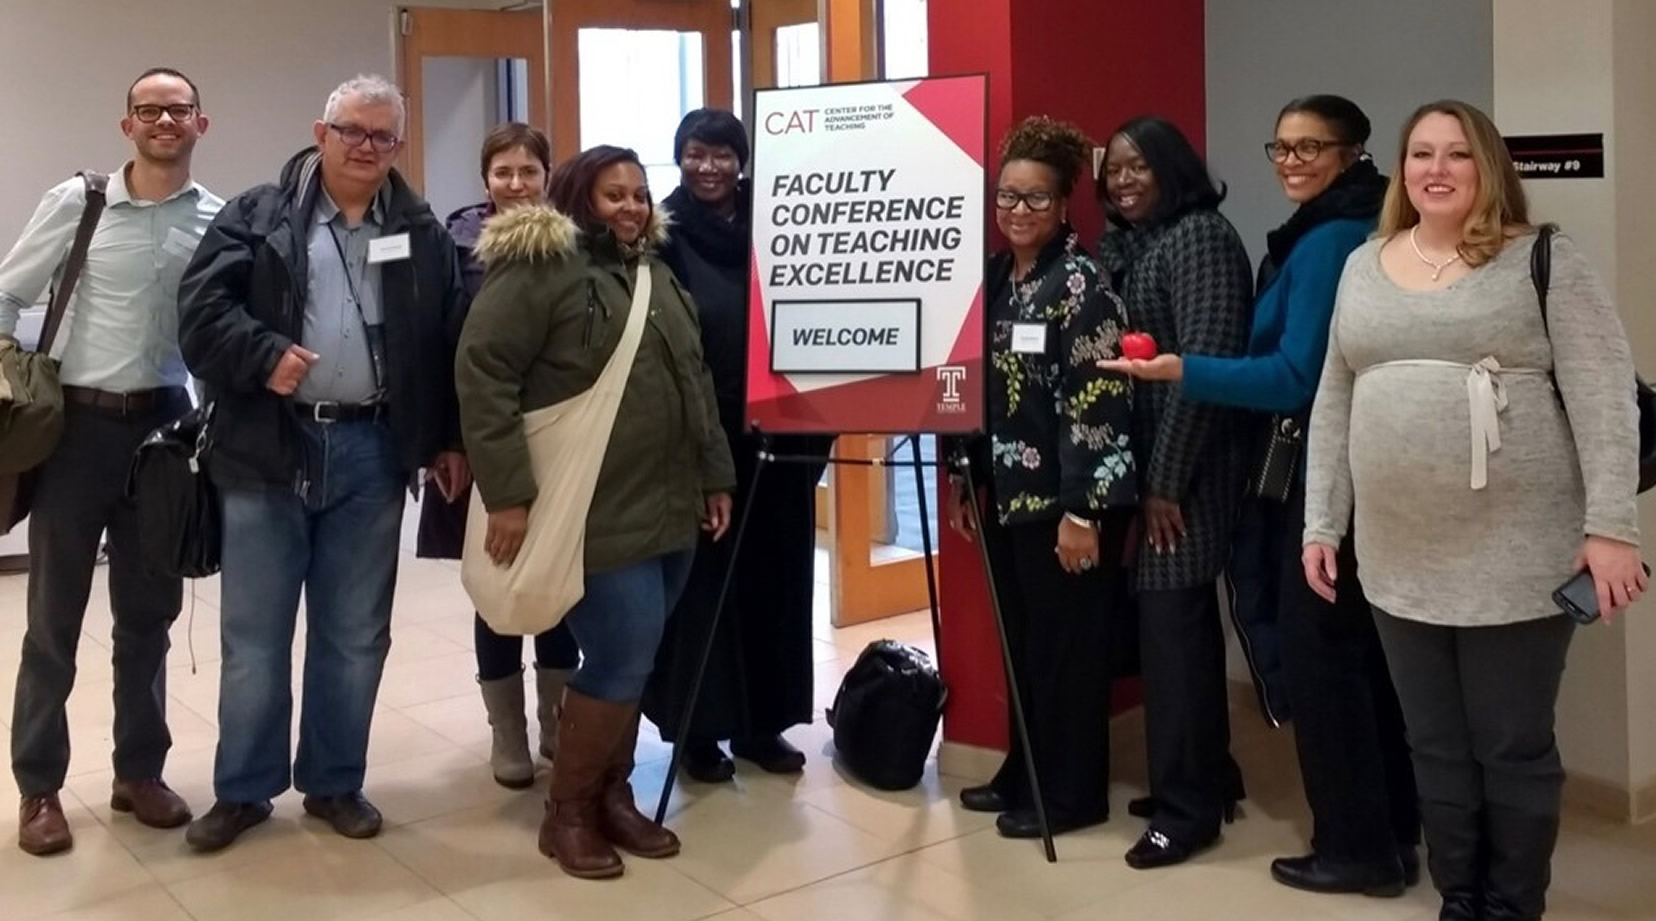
(1437, 268)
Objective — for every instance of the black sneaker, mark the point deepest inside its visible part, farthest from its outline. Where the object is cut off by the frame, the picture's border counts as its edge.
(351, 815)
(223, 824)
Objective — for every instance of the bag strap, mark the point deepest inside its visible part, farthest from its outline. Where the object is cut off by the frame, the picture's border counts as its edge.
(621, 360)
(1541, 266)
(97, 185)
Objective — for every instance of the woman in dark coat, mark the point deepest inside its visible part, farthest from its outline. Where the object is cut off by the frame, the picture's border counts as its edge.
(516, 162)
(1184, 274)
(759, 680)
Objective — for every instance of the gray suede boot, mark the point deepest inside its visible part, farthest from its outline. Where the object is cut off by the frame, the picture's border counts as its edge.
(509, 757)
(549, 688)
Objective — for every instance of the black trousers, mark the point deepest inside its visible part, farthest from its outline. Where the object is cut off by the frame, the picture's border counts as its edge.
(1058, 634)
(80, 493)
(1480, 703)
(1186, 712)
(1348, 725)
(500, 656)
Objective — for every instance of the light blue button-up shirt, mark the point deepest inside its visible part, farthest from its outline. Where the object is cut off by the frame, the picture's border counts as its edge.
(334, 329)
(121, 330)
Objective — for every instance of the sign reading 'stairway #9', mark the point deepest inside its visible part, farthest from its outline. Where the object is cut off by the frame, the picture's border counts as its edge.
(866, 306)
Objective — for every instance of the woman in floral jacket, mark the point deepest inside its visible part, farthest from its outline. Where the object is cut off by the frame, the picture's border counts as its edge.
(1060, 480)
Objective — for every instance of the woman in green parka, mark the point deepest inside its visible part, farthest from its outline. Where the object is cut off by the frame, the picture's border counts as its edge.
(554, 302)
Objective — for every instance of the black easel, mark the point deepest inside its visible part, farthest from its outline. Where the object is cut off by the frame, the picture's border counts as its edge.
(766, 457)
(1019, 720)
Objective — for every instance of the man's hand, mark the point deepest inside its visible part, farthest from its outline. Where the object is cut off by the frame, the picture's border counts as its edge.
(290, 370)
(451, 474)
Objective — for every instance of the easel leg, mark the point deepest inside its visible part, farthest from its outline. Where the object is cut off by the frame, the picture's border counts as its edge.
(1020, 721)
(926, 547)
(686, 717)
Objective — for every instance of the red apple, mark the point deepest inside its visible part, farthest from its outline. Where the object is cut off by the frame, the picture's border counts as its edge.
(1138, 346)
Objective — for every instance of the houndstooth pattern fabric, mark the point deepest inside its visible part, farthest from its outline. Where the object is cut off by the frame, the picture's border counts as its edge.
(1187, 283)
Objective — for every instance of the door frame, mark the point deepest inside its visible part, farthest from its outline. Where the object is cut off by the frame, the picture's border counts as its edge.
(434, 32)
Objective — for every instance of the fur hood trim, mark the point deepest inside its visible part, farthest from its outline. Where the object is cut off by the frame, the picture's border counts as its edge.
(535, 232)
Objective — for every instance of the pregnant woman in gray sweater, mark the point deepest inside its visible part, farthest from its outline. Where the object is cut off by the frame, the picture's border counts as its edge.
(1479, 488)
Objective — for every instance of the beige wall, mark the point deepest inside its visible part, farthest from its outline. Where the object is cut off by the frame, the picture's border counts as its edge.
(265, 68)
(1635, 290)
(1583, 67)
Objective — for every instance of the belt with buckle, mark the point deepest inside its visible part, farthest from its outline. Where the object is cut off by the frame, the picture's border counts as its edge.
(342, 412)
(128, 403)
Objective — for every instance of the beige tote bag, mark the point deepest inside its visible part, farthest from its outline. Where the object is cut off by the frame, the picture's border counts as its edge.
(566, 449)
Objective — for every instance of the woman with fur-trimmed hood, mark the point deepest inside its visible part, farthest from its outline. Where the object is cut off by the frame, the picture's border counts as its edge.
(554, 302)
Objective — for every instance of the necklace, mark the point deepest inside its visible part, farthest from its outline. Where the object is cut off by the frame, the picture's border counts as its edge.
(1437, 267)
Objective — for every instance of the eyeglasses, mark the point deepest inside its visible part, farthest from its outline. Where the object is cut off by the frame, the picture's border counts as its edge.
(354, 136)
(1008, 200)
(1305, 149)
(150, 114)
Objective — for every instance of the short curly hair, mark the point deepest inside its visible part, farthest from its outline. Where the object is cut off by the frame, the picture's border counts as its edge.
(1059, 145)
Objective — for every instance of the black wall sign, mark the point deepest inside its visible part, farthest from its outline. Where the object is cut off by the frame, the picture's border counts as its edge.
(1558, 156)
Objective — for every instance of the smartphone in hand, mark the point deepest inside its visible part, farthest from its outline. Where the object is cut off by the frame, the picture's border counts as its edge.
(1579, 599)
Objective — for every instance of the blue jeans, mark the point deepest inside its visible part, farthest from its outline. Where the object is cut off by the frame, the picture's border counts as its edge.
(619, 622)
(339, 544)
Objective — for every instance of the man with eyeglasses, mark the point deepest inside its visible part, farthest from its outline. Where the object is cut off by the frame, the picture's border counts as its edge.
(123, 377)
(322, 311)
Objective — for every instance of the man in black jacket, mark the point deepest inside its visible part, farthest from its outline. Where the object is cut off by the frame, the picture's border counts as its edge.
(322, 312)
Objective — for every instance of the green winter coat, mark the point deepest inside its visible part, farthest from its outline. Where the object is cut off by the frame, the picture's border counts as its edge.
(549, 315)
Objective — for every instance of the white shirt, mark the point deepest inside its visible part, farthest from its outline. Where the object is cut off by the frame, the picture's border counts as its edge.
(121, 330)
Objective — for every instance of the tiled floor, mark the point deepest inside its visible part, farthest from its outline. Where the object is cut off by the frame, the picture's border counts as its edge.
(459, 848)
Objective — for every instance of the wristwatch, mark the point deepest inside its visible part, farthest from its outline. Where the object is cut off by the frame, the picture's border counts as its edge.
(1087, 523)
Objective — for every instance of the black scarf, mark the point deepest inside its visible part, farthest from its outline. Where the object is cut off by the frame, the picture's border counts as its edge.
(721, 242)
(1356, 193)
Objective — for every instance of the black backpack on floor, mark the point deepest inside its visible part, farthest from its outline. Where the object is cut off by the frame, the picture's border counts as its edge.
(885, 715)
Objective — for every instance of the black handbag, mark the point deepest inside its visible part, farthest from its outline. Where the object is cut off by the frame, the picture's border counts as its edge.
(885, 715)
(1278, 464)
(178, 507)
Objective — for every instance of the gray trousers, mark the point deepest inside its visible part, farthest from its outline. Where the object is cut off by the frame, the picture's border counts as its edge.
(80, 493)
(1479, 703)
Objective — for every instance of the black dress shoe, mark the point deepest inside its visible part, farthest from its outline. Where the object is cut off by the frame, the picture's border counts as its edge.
(983, 799)
(1313, 873)
(350, 815)
(1144, 807)
(705, 762)
(1155, 850)
(773, 754)
(1022, 823)
(223, 824)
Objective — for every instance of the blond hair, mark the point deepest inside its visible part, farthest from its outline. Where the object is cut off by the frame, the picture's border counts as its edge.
(1501, 210)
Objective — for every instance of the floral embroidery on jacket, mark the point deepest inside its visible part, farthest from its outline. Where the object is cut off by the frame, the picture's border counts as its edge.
(1059, 427)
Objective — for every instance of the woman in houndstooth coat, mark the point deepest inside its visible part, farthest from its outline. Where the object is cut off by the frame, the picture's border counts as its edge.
(1185, 276)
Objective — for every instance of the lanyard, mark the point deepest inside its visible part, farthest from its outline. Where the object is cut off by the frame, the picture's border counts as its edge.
(375, 333)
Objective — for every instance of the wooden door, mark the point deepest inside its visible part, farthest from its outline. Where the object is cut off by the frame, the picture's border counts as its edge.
(430, 33)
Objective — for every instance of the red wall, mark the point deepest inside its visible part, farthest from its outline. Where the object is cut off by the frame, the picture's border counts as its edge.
(1096, 63)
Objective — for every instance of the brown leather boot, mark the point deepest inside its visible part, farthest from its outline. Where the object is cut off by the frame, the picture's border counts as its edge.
(570, 833)
(41, 827)
(618, 816)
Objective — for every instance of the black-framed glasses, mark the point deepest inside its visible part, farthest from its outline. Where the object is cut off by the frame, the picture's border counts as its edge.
(149, 113)
(1008, 200)
(1305, 149)
(355, 135)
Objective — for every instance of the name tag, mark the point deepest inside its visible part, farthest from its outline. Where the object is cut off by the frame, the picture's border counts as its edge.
(388, 249)
(1029, 338)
